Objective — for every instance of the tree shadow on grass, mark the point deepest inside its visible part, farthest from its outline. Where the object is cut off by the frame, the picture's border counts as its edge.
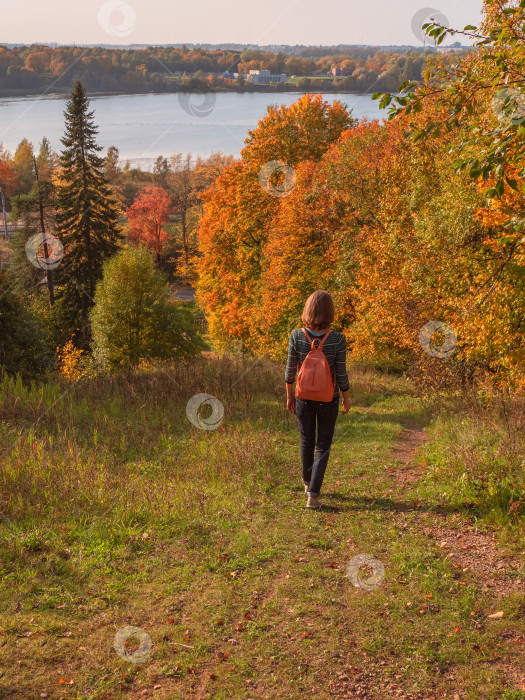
(368, 503)
(406, 419)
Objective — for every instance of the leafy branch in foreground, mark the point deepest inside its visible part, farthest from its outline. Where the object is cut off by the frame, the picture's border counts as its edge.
(482, 97)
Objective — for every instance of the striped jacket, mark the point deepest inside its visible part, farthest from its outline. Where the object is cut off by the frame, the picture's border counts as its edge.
(334, 348)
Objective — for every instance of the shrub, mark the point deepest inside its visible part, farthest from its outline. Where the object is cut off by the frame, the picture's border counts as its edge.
(133, 319)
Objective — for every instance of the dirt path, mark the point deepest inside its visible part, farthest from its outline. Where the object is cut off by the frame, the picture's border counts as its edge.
(473, 553)
(479, 552)
(407, 445)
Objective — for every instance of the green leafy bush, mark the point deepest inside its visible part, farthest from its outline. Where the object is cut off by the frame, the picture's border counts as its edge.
(133, 319)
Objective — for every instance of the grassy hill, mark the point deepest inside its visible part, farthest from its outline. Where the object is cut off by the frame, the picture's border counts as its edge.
(116, 511)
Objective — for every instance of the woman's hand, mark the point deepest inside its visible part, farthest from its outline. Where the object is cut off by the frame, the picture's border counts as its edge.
(346, 403)
(290, 398)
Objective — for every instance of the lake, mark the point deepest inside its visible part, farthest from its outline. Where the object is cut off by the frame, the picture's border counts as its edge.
(143, 127)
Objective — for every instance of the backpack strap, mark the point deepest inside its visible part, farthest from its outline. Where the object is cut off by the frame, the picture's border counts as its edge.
(321, 340)
(312, 346)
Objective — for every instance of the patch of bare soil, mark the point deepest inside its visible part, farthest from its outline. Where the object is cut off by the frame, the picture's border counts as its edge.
(407, 445)
(480, 553)
(367, 684)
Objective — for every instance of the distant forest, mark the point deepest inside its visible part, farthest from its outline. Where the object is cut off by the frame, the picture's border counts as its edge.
(26, 70)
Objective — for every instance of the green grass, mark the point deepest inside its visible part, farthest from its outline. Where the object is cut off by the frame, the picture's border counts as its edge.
(117, 511)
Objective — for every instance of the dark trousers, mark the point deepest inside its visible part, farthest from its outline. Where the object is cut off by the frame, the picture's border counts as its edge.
(315, 451)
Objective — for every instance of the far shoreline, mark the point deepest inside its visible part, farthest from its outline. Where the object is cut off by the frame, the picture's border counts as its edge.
(13, 94)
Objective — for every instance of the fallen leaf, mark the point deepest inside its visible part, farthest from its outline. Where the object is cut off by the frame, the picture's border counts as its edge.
(68, 681)
(171, 620)
(496, 615)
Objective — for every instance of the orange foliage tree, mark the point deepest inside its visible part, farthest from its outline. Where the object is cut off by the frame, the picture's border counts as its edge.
(239, 213)
(147, 216)
(409, 223)
(8, 179)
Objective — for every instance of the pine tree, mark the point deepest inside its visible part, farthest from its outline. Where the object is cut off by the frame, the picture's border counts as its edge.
(87, 216)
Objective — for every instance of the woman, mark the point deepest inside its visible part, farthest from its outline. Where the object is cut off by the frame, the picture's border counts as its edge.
(318, 315)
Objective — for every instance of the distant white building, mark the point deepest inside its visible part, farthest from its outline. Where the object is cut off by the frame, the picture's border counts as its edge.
(452, 48)
(264, 76)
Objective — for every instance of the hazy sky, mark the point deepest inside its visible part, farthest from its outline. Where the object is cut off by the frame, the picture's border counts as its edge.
(211, 21)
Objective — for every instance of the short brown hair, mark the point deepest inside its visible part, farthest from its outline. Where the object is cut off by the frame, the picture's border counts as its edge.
(319, 311)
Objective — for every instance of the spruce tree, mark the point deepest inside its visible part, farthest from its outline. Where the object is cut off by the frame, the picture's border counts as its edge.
(87, 215)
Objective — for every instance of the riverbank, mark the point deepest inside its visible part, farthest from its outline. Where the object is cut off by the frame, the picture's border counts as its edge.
(282, 87)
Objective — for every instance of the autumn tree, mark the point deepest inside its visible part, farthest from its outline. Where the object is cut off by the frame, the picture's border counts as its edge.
(112, 169)
(183, 191)
(161, 171)
(401, 237)
(239, 212)
(480, 100)
(24, 165)
(147, 217)
(8, 179)
(303, 130)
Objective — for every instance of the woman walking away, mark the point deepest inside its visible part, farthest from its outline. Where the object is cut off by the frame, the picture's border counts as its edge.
(321, 356)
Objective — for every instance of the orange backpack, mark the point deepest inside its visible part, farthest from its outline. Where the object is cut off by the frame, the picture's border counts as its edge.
(314, 380)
